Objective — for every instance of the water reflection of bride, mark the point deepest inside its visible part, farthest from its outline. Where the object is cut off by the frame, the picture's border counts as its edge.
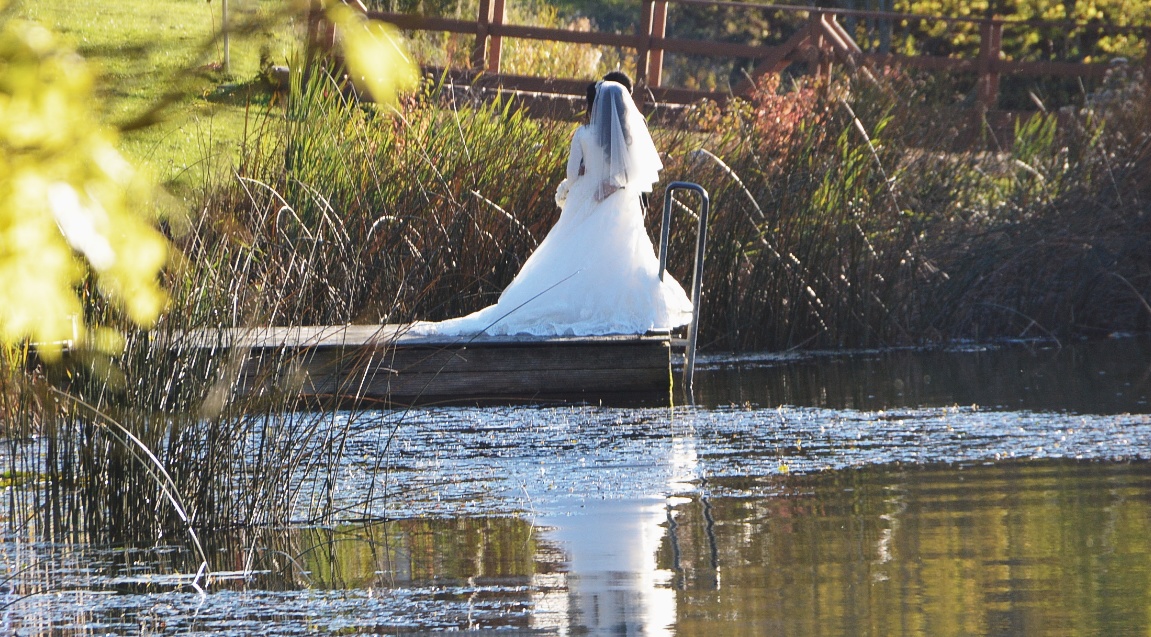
(614, 583)
(596, 271)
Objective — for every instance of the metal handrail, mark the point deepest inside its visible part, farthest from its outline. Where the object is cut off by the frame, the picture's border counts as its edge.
(697, 274)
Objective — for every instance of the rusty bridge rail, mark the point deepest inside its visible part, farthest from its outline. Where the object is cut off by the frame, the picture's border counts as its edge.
(821, 39)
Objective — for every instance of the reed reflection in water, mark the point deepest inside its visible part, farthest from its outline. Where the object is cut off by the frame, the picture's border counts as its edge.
(1044, 548)
(1051, 547)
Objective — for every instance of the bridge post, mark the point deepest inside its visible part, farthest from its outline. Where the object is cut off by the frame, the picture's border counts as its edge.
(1147, 55)
(495, 44)
(321, 37)
(990, 45)
(643, 44)
(486, 51)
(658, 31)
(822, 52)
(483, 27)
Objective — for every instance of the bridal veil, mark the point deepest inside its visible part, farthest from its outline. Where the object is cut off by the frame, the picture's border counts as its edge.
(629, 158)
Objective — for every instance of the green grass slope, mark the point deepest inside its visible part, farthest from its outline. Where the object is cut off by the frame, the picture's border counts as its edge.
(160, 64)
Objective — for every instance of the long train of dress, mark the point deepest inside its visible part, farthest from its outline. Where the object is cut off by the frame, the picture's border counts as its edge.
(595, 273)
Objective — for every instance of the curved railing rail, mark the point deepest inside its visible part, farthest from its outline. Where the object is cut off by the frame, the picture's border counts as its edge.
(697, 272)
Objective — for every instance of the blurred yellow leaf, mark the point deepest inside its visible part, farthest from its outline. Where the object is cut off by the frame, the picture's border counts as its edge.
(374, 52)
(69, 202)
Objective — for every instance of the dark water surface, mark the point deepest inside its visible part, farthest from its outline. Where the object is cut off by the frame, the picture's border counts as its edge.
(981, 491)
(1105, 377)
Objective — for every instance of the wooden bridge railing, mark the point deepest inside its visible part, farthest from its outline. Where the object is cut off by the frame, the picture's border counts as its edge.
(822, 40)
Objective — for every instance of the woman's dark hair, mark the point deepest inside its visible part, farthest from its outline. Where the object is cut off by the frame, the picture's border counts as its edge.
(619, 76)
(614, 76)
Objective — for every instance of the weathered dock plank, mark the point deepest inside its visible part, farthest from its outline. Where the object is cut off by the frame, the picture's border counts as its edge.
(384, 364)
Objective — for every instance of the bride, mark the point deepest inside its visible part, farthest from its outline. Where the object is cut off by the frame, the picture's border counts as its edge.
(596, 271)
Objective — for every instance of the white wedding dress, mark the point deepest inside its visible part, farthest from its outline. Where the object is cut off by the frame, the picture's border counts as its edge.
(596, 272)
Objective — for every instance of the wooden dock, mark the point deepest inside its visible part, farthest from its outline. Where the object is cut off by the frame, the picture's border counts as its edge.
(381, 364)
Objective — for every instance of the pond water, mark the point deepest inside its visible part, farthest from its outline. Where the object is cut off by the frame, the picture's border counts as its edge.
(976, 491)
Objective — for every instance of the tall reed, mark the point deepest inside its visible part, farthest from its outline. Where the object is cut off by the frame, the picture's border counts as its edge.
(339, 212)
(860, 214)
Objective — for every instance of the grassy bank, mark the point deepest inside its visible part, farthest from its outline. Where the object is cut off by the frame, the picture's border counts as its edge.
(873, 220)
(161, 74)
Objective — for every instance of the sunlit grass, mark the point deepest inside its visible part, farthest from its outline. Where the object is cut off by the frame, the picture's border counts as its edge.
(168, 52)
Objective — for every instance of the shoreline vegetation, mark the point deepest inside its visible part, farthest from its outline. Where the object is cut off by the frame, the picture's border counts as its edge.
(845, 214)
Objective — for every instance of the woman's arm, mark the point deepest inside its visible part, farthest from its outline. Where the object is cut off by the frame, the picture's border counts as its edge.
(574, 168)
(575, 156)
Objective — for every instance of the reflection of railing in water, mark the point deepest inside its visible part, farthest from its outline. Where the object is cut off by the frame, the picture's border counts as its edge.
(673, 531)
(821, 41)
